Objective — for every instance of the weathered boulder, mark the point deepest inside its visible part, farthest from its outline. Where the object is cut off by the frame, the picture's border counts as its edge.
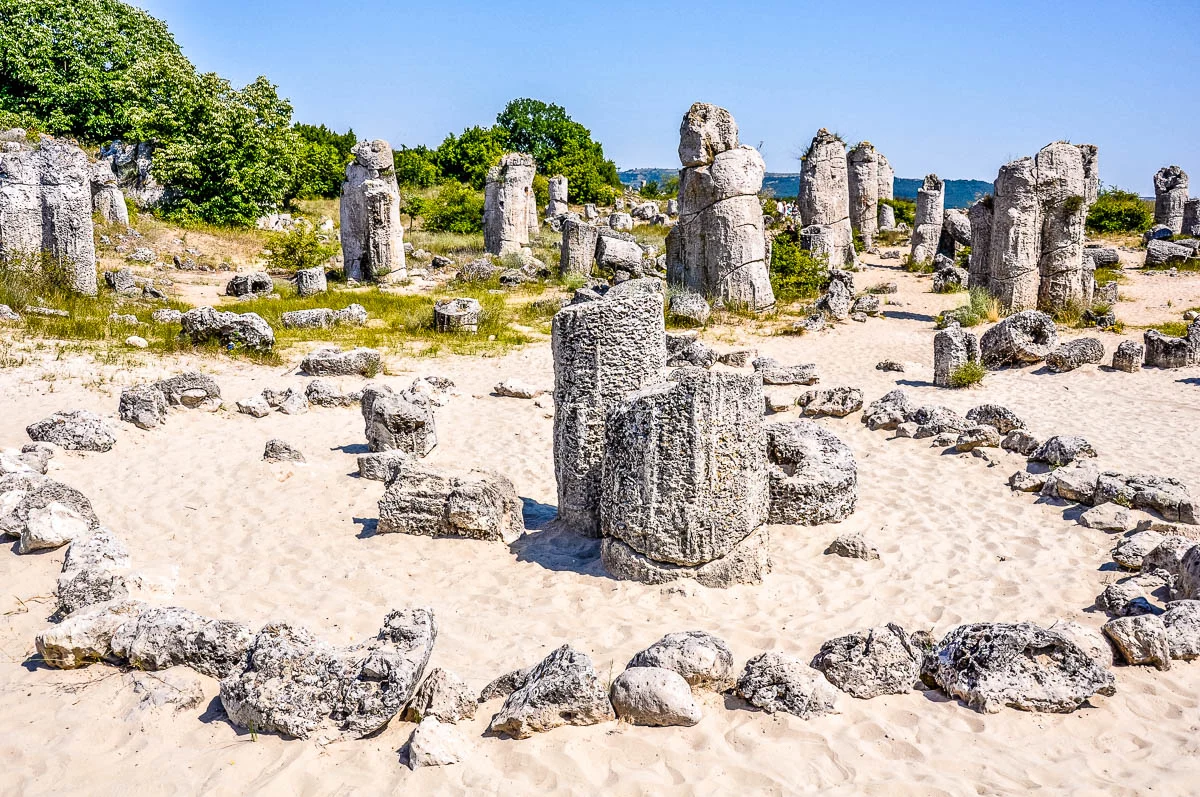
(257, 284)
(246, 330)
(443, 696)
(254, 406)
(562, 690)
(509, 204)
(930, 213)
(578, 252)
(813, 474)
(143, 405)
(992, 665)
(311, 281)
(371, 233)
(774, 373)
(74, 430)
(558, 197)
(1165, 495)
(1024, 337)
(1141, 639)
(1170, 196)
(159, 637)
(703, 660)
(1067, 186)
(434, 744)
(1160, 254)
(618, 254)
(747, 563)
(603, 351)
(890, 411)
(86, 635)
(774, 682)
(1075, 482)
(1129, 356)
(654, 696)
(108, 201)
(481, 505)
(1015, 236)
(1182, 621)
(853, 546)
(949, 279)
(1062, 450)
(191, 390)
(457, 315)
(278, 450)
(878, 661)
(332, 361)
(292, 683)
(92, 572)
(953, 348)
(690, 308)
(1000, 417)
(1164, 351)
(1188, 584)
(837, 402)
(382, 466)
(395, 421)
(1074, 353)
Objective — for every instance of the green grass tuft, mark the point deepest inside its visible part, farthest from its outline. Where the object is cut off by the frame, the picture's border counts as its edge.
(967, 374)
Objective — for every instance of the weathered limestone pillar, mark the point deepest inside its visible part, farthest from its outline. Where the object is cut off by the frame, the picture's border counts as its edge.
(508, 204)
(887, 176)
(107, 199)
(46, 207)
(603, 351)
(887, 217)
(1170, 194)
(1063, 191)
(372, 238)
(862, 166)
(558, 197)
(718, 248)
(578, 248)
(1016, 236)
(979, 267)
(953, 348)
(931, 205)
(685, 480)
(1191, 218)
(824, 197)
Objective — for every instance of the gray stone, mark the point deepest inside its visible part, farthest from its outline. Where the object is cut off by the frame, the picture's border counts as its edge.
(279, 451)
(1074, 353)
(1062, 450)
(853, 546)
(747, 563)
(862, 166)
(382, 466)
(160, 637)
(1182, 622)
(878, 661)
(1130, 552)
(889, 411)
(1188, 583)
(246, 330)
(824, 197)
(371, 234)
(92, 572)
(930, 213)
(992, 665)
(1076, 482)
(74, 430)
(1000, 417)
(1129, 356)
(457, 315)
(293, 684)
(1167, 556)
(191, 389)
(332, 361)
(394, 421)
(618, 254)
(481, 505)
(311, 281)
(1164, 351)
(443, 696)
(953, 348)
(837, 402)
(774, 682)
(143, 405)
(323, 394)
(257, 284)
(255, 407)
(1170, 196)
(1167, 496)
(690, 308)
(578, 252)
(813, 474)
(1141, 639)
(981, 436)
(558, 196)
(562, 690)
(434, 744)
(1108, 517)
(773, 373)
(509, 204)
(1025, 337)
(703, 660)
(1025, 482)
(654, 696)
(1019, 441)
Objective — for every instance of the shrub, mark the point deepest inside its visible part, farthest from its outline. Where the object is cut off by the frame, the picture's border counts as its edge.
(467, 157)
(416, 167)
(906, 210)
(981, 306)
(1119, 211)
(967, 374)
(321, 161)
(541, 191)
(963, 258)
(455, 208)
(1104, 275)
(651, 190)
(301, 247)
(795, 272)
(860, 245)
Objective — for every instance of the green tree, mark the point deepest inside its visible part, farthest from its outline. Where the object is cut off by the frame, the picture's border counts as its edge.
(85, 67)
(468, 157)
(1119, 211)
(560, 145)
(321, 161)
(416, 167)
(795, 273)
(455, 208)
(235, 155)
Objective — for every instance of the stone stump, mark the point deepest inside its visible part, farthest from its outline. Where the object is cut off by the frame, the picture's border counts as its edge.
(578, 248)
(558, 197)
(508, 204)
(862, 165)
(457, 315)
(931, 197)
(1170, 196)
(372, 237)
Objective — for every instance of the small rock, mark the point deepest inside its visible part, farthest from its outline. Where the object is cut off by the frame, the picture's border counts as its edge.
(853, 546)
(278, 451)
(654, 696)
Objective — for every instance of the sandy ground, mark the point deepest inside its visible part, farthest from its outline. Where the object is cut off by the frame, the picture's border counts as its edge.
(213, 528)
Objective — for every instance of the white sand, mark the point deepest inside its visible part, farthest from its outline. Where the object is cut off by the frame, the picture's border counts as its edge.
(213, 528)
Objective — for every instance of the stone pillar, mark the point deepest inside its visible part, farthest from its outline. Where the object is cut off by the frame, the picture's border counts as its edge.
(107, 199)
(685, 478)
(1170, 194)
(46, 207)
(558, 197)
(956, 233)
(979, 269)
(1191, 218)
(887, 217)
(508, 205)
(372, 237)
(887, 176)
(927, 227)
(953, 347)
(603, 351)
(1016, 236)
(863, 172)
(1063, 191)
(825, 194)
(578, 248)
(718, 248)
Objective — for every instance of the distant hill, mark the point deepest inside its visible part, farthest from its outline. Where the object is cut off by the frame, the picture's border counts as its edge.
(959, 193)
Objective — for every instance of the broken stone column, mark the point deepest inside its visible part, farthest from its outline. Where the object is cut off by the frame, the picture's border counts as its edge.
(1170, 195)
(46, 207)
(953, 347)
(887, 217)
(558, 197)
(1191, 218)
(886, 175)
(824, 197)
(685, 481)
(372, 237)
(979, 268)
(507, 204)
(1064, 188)
(862, 166)
(956, 233)
(578, 248)
(107, 200)
(718, 249)
(1016, 236)
(931, 201)
(603, 351)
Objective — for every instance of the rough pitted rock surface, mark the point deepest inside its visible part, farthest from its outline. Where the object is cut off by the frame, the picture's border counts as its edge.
(775, 682)
(443, 696)
(690, 307)
(603, 351)
(578, 252)
(874, 662)
(1025, 337)
(654, 696)
(1074, 353)
(247, 330)
(862, 163)
(775, 373)
(993, 665)
(165, 636)
(42, 512)
(395, 421)
(747, 563)
(953, 348)
(280, 451)
(1129, 356)
(703, 660)
(92, 572)
(1170, 197)
(509, 204)
(685, 467)
(718, 248)
(1182, 621)
(824, 197)
(480, 505)
(997, 416)
(1163, 494)
(836, 402)
(371, 234)
(311, 281)
(1062, 450)
(190, 389)
(142, 405)
(74, 430)
(294, 684)
(1075, 482)
(853, 546)
(930, 212)
(813, 474)
(1141, 639)
(324, 317)
(889, 411)
(332, 361)
(562, 690)
(257, 284)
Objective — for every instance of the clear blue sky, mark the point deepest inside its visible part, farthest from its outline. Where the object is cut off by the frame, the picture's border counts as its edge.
(956, 88)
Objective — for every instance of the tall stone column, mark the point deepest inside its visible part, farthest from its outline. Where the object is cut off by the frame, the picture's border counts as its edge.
(1063, 190)
(1170, 195)
(509, 207)
(372, 237)
(887, 176)
(824, 197)
(1016, 245)
(927, 226)
(979, 267)
(558, 197)
(719, 248)
(862, 166)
